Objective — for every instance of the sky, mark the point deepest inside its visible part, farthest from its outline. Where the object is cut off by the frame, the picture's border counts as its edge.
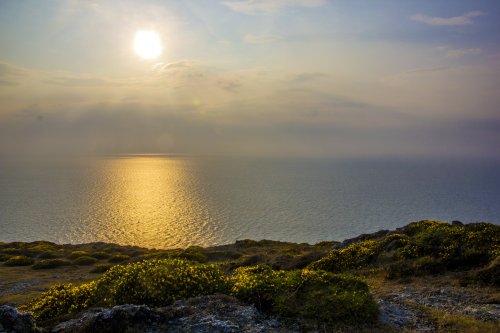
(251, 77)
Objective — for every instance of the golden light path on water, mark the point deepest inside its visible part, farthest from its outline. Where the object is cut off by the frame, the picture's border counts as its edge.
(151, 202)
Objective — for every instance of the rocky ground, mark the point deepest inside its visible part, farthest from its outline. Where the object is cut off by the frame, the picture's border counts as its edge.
(402, 310)
(408, 307)
(206, 314)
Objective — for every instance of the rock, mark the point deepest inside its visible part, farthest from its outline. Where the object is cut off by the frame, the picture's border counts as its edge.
(117, 319)
(400, 316)
(12, 321)
(205, 314)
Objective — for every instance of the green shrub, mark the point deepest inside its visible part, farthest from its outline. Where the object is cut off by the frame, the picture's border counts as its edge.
(51, 263)
(353, 256)
(4, 257)
(39, 247)
(76, 254)
(152, 282)
(118, 258)
(61, 300)
(490, 275)
(84, 261)
(309, 294)
(11, 251)
(19, 261)
(258, 285)
(193, 253)
(401, 269)
(159, 282)
(49, 255)
(100, 255)
(328, 298)
(101, 268)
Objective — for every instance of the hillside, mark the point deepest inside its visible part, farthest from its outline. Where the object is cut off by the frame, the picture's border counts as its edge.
(426, 276)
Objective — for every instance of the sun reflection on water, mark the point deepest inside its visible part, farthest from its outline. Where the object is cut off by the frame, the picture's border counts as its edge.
(153, 202)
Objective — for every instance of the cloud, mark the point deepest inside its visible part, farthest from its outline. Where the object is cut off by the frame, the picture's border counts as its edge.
(450, 52)
(260, 39)
(228, 84)
(307, 77)
(10, 74)
(181, 64)
(80, 82)
(253, 7)
(464, 19)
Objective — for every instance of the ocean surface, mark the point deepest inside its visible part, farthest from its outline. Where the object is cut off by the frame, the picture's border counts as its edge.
(168, 201)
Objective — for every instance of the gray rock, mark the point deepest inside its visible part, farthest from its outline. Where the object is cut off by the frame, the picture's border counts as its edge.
(117, 319)
(12, 321)
(205, 314)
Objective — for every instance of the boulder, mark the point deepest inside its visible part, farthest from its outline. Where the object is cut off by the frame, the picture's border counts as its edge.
(13, 321)
(204, 314)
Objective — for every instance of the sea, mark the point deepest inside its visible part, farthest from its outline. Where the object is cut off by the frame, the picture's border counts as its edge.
(175, 201)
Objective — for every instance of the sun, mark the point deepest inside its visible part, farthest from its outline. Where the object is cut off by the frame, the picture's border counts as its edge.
(147, 44)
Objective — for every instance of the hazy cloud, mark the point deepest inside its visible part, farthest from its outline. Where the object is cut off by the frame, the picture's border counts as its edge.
(457, 53)
(464, 19)
(80, 82)
(228, 84)
(260, 39)
(181, 64)
(306, 77)
(270, 6)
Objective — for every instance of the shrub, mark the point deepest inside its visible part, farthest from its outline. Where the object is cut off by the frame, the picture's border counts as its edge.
(76, 254)
(101, 268)
(100, 255)
(152, 282)
(39, 247)
(4, 257)
(258, 285)
(309, 294)
(19, 261)
(118, 258)
(194, 253)
(49, 255)
(353, 256)
(159, 282)
(328, 298)
(84, 261)
(11, 251)
(490, 275)
(51, 263)
(62, 299)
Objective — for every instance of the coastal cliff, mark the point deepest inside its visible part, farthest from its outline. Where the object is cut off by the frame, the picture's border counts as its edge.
(427, 276)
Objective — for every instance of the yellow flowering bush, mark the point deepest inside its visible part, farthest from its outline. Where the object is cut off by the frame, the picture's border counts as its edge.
(159, 282)
(306, 293)
(62, 299)
(258, 284)
(151, 282)
(353, 256)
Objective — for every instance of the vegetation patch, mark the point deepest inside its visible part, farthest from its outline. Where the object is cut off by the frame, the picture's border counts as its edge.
(76, 254)
(152, 282)
(19, 261)
(307, 294)
(84, 261)
(101, 268)
(100, 255)
(420, 248)
(304, 293)
(119, 258)
(51, 263)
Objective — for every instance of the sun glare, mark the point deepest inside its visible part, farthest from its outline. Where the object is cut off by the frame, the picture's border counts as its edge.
(147, 44)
